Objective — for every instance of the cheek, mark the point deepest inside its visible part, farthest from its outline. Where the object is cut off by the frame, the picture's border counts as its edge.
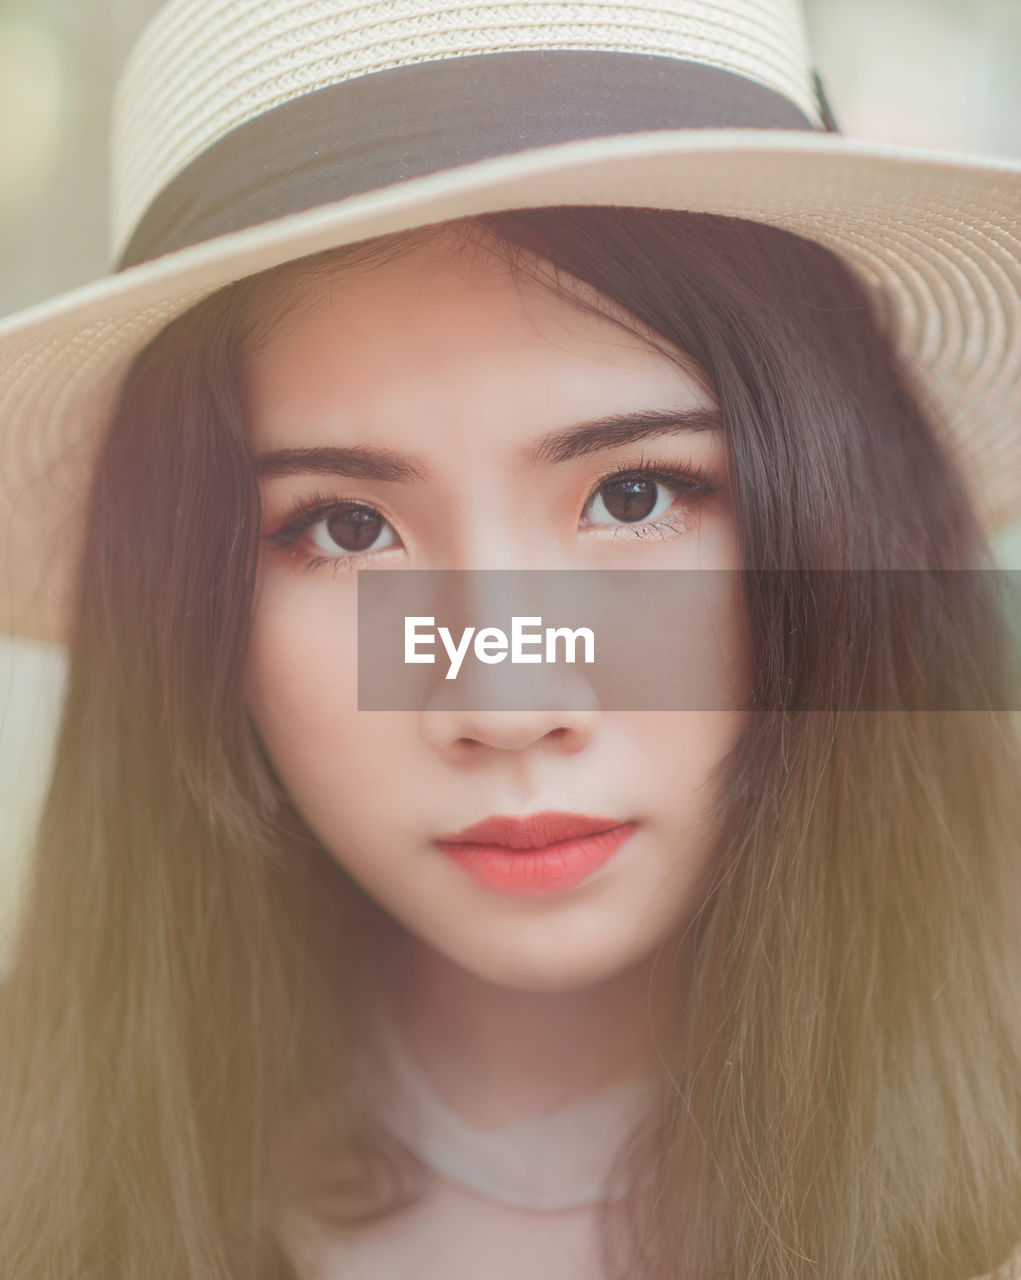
(341, 768)
(682, 753)
(301, 678)
(685, 752)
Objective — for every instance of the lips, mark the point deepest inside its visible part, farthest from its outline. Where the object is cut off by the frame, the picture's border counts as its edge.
(544, 853)
(535, 831)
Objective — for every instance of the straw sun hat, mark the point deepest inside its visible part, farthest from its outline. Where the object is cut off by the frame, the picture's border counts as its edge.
(250, 132)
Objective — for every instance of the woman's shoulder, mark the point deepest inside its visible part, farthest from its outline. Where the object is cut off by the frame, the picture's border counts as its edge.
(1008, 1270)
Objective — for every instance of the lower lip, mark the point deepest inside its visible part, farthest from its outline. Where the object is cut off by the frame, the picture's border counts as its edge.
(534, 872)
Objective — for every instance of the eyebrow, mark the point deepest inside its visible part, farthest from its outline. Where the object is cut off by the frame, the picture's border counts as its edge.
(369, 462)
(618, 429)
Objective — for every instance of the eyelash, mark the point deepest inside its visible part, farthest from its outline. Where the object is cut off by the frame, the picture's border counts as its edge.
(688, 481)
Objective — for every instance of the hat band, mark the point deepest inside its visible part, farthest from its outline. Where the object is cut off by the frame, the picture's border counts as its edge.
(419, 118)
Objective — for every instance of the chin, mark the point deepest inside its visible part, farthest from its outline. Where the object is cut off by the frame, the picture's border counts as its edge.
(553, 965)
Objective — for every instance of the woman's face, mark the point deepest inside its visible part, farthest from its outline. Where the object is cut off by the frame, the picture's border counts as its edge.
(462, 367)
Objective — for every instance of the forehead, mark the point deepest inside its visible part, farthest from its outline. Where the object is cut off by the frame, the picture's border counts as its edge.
(441, 323)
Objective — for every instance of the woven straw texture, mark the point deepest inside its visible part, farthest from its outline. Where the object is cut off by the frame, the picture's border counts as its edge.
(206, 66)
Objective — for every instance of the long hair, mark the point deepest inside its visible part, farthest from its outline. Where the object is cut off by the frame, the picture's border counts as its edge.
(844, 1099)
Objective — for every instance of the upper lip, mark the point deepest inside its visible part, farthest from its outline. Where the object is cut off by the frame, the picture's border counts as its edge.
(532, 831)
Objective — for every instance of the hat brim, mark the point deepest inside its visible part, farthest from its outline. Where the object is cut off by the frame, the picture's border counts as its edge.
(935, 238)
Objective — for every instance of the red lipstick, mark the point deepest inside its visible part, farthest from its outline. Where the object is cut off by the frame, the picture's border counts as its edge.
(537, 854)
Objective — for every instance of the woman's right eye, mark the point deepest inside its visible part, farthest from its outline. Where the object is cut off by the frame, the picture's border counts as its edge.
(348, 527)
(334, 532)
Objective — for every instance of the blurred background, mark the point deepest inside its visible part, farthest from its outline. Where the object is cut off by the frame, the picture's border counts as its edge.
(935, 73)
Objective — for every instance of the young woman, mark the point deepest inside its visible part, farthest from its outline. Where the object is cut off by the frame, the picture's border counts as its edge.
(727, 987)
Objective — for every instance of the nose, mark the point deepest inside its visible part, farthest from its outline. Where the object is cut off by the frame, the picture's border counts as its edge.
(511, 710)
(509, 706)
(468, 731)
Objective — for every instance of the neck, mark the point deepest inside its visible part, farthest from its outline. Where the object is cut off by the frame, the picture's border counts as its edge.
(496, 1055)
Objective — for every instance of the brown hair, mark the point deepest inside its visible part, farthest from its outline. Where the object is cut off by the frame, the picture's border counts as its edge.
(845, 1092)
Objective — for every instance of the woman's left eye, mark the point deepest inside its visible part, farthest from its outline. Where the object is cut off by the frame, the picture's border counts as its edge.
(635, 497)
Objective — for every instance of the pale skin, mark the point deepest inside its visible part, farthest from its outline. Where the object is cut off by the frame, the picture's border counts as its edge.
(510, 1005)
